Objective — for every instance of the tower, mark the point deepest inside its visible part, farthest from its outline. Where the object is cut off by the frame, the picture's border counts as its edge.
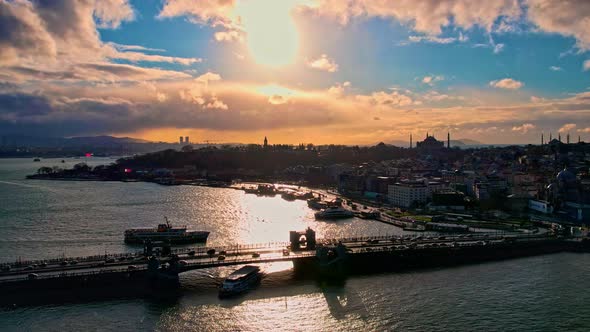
(181, 139)
(550, 137)
(265, 142)
(579, 139)
(410, 140)
(559, 137)
(186, 140)
(426, 134)
(448, 140)
(568, 138)
(542, 140)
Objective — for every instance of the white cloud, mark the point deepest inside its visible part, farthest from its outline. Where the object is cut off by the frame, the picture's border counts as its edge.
(507, 83)
(568, 18)
(229, 36)
(567, 127)
(498, 48)
(430, 80)
(525, 128)
(323, 63)
(432, 39)
(555, 68)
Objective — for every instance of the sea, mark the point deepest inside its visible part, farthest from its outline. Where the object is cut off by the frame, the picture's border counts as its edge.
(49, 219)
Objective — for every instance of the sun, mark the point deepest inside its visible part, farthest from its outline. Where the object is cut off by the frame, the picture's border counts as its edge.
(271, 34)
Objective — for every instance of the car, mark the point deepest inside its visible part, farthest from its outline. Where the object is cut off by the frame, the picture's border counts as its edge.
(286, 252)
(110, 260)
(182, 263)
(221, 258)
(222, 252)
(63, 263)
(43, 264)
(191, 253)
(73, 262)
(131, 267)
(255, 255)
(33, 276)
(29, 268)
(211, 252)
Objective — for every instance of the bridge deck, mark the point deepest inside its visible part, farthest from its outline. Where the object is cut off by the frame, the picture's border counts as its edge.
(243, 254)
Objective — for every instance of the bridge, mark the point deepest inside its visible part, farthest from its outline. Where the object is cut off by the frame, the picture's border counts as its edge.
(178, 261)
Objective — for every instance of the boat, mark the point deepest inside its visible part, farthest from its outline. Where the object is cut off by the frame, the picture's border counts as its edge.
(36, 159)
(165, 232)
(334, 213)
(240, 281)
(316, 204)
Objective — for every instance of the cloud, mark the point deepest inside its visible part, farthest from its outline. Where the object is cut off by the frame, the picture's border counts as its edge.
(584, 130)
(339, 89)
(426, 16)
(123, 47)
(432, 39)
(587, 65)
(567, 18)
(229, 36)
(323, 63)
(567, 127)
(498, 48)
(382, 98)
(555, 68)
(110, 13)
(430, 80)
(523, 129)
(507, 83)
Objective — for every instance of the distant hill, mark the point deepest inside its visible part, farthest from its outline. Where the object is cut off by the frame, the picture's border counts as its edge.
(53, 142)
(102, 140)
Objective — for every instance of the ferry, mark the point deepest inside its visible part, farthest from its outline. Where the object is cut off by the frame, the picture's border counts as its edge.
(334, 213)
(165, 232)
(240, 281)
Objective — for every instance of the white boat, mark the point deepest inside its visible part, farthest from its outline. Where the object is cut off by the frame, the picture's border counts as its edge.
(240, 281)
(334, 213)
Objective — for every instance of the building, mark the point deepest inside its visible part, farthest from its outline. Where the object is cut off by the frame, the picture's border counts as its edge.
(351, 184)
(430, 145)
(265, 142)
(408, 193)
(181, 140)
(448, 200)
(186, 140)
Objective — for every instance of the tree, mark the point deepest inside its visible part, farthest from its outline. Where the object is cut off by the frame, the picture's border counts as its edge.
(81, 167)
(187, 148)
(45, 170)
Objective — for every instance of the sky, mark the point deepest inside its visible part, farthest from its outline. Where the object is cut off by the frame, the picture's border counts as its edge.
(296, 71)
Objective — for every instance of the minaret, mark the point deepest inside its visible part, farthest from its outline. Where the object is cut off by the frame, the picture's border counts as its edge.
(559, 137)
(410, 140)
(426, 134)
(448, 140)
(542, 140)
(550, 136)
(568, 138)
(579, 139)
(265, 142)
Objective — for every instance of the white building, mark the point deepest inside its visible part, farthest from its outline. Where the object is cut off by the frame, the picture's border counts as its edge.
(404, 194)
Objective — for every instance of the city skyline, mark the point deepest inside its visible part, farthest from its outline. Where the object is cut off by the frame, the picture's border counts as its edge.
(321, 71)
